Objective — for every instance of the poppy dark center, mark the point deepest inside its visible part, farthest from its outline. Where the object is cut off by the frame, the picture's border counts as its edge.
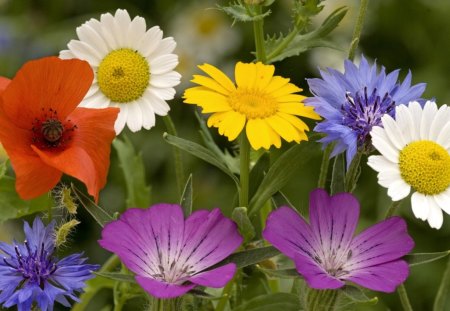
(52, 130)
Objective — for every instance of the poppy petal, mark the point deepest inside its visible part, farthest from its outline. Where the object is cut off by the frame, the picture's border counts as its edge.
(44, 84)
(3, 84)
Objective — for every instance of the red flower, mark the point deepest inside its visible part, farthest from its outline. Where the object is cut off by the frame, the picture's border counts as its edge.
(46, 135)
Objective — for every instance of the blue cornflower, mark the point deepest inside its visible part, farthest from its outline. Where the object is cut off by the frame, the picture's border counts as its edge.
(353, 102)
(30, 274)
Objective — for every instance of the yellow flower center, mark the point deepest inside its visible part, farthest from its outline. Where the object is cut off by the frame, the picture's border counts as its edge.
(123, 75)
(425, 165)
(207, 23)
(252, 103)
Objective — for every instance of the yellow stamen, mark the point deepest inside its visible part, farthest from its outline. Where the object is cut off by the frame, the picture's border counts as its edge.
(253, 103)
(425, 165)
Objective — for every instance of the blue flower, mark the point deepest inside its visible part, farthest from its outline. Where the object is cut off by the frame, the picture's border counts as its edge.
(352, 102)
(30, 274)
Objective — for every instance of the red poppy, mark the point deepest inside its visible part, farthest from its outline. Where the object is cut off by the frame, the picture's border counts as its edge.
(46, 135)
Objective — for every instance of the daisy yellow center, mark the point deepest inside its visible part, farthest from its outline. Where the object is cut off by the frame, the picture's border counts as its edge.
(123, 75)
(425, 165)
(254, 104)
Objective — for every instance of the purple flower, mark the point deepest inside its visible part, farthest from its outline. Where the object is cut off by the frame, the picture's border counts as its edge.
(353, 102)
(325, 251)
(171, 255)
(30, 273)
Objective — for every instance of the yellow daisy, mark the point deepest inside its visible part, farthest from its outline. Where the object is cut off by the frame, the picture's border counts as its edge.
(262, 103)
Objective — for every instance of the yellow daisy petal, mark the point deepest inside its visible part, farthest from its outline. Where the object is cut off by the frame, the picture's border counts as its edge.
(208, 100)
(216, 118)
(285, 90)
(219, 76)
(276, 83)
(298, 109)
(264, 74)
(297, 123)
(258, 134)
(284, 128)
(232, 124)
(245, 75)
(210, 83)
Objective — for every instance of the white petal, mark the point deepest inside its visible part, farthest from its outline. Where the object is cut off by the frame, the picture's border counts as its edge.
(89, 35)
(416, 112)
(419, 206)
(121, 118)
(169, 79)
(443, 200)
(429, 111)
(85, 52)
(148, 115)
(92, 90)
(399, 190)
(405, 122)
(166, 46)
(121, 22)
(136, 30)
(96, 100)
(163, 64)
(160, 107)
(66, 54)
(435, 216)
(383, 144)
(150, 41)
(134, 119)
(387, 177)
(167, 93)
(108, 26)
(444, 137)
(441, 119)
(380, 163)
(393, 132)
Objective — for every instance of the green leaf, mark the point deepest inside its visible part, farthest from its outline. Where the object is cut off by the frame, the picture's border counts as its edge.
(201, 153)
(300, 43)
(281, 273)
(3, 167)
(356, 295)
(250, 257)
(186, 198)
(101, 216)
(271, 302)
(117, 276)
(257, 173)
(12, 206)
(241, 14)
(279, 174)
(279, 199)
(245, 226)
(423, 258)
(132, 164)
(338, 174)
(202, 294)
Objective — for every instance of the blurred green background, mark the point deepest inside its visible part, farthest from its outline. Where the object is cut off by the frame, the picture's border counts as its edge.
(407, 34)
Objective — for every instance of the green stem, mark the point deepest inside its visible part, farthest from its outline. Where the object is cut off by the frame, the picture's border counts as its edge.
(87, 296)
(401, 290)
(258, 30)
(244, 170)
(358, 29)
(351, 178)
(226, 293)
(179, 170)
(324, 167)
(391, 211)
(442, 294)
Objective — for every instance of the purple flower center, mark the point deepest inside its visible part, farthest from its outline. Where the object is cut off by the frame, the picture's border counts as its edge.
(36, 267)
(361, 112)
(174, 273)
(334, 261)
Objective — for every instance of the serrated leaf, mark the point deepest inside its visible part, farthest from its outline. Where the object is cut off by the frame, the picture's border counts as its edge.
(245, 226)
(338, 174)
(200, 152)
(271, 302)
(186, 198)
(301, 43)
(423, 258)
(12, 206)
(101, 216)
(250, 257)
(281, 273)
(117, 276)
(279, 174)
(241, 14)
(356, 295)
(132, 164)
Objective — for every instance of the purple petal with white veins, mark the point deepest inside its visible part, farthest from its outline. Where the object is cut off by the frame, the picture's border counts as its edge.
(333, 221)
(289, 232)
(216, 278)
(315, 275)
(381, 243)
(384, 277)
(162, 289)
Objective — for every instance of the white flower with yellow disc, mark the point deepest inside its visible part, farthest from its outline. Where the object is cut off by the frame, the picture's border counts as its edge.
(415, 150)
(133, 67)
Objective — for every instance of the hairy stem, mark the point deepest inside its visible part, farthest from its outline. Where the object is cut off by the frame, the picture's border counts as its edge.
(358, 29)
(179, 170)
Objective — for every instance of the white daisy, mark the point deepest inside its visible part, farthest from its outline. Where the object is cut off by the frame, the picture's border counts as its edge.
(134, 68)
(415, 150)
